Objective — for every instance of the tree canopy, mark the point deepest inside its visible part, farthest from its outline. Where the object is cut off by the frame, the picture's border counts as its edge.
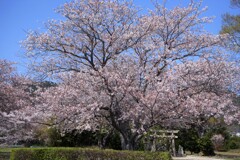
(231, 26)
(117, 69)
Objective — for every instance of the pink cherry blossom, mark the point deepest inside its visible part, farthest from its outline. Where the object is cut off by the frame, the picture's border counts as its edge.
(117, 69)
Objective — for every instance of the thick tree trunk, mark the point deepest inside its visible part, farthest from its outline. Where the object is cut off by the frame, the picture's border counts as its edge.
(102, 140)
(128, 142)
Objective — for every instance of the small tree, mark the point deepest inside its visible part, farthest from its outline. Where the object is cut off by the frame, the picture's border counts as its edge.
(218, 141)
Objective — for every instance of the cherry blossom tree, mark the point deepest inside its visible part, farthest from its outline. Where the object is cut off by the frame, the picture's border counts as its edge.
(218, 141)
(13, 97)
(118, 69)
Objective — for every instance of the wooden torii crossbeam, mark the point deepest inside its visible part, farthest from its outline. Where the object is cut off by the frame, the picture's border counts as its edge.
(156, 134)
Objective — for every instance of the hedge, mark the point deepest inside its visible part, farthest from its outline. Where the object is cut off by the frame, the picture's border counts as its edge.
(84, 154)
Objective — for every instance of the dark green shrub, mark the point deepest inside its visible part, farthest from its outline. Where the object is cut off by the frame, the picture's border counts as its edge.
(76, 139)
(234, 142)
(4, 155)
(85, 154)
(195, 141)
(188, 139)
(114, 142)
(30, 142)
(219, 130)
(206, 146)
(53, 138)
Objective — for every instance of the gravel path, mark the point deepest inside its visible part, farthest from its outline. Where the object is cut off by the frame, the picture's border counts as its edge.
(191, 157)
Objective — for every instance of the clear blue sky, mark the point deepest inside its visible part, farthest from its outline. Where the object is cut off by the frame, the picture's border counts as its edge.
(19, 16)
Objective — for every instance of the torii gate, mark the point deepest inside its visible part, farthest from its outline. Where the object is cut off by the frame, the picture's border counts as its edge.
(157, 134)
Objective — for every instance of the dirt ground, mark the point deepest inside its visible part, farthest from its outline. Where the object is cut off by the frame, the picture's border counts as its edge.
(191, 157)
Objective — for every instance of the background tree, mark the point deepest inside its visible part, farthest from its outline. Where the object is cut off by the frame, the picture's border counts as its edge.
(235, 3)
(117, 69)
(231, 26)
(13, 97)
